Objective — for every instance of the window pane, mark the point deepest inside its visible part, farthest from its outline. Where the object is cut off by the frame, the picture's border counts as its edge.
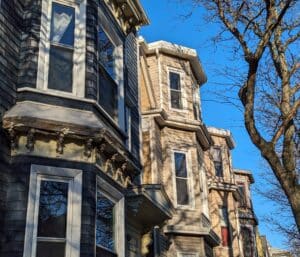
(62, 24)
(108, 95)
(219, 169)
(106, 53)
(53, 209)
(224, 216)
(216, 153)
(49, 249)
(174, 81)
(247, 241)
(243, 195)
(105, 222)
(176, 99)
(180, 165)
(182, 191)
(60, 69)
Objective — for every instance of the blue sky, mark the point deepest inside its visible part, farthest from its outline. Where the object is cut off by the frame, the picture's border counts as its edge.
(168, 24)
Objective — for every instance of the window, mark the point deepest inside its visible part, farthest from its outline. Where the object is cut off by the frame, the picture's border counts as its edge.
(128, 126)
(242, 191)
(217, 159)
(175, 90)
(110, 82)
(224, 222)
(110, 228)
(196, 103)
(182, 185)
(62, 46)
(247, 241)
(54, 212)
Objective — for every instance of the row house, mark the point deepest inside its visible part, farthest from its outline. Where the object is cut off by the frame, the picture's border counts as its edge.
(213, 211)
(70, 171)
(103, 150)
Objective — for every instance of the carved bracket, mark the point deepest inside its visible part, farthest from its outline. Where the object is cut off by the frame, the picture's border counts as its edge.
(30, 139)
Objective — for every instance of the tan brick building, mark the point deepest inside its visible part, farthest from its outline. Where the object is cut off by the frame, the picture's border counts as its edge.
(192, 162)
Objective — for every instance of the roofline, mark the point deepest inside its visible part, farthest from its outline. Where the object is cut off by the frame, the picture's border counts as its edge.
(140, 12)
(183, 52)
(223, 133)
(247, 173)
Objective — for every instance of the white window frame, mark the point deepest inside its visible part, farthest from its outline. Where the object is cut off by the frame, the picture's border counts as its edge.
(105, 24)
(119, 211)
(78, 86)
(188, 159)
(183, 254)
(128, 121)
(182, 87)
(73, 230)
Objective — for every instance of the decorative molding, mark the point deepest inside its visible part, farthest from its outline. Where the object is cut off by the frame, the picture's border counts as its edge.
(30, 139)
(88, 148)
(13, 139)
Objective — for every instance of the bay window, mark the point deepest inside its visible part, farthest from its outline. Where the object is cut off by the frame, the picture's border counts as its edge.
(53, 213)
(61, 63)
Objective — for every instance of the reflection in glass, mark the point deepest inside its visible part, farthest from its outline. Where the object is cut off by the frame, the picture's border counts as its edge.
(49, 249)
(105, 222)
(175, 88)
(53, 209)
(60, 69)
(175, 81)
(106, 53)
(180, 165)
(62, 24)
(182, 191)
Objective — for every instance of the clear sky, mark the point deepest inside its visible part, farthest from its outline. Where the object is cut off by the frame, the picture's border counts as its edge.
(167, 24)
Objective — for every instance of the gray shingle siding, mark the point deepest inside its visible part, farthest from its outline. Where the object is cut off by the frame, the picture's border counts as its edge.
(131, 90)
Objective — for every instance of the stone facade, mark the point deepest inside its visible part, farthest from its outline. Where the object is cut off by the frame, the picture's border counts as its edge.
(112, 158)
(209, 223)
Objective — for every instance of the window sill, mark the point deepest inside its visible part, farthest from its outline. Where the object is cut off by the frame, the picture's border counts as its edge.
(73, 101)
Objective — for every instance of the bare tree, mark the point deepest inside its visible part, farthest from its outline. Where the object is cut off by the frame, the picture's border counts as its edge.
(280, 219)
(266, 36)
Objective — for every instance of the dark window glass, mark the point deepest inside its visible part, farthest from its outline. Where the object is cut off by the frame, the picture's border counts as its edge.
(53, 209)
(224, 216)
(60, 69)
(105, 222)
(182, 191)
(247, 242)
(181, 179)
(50, 249)
(175, 81)
(241, 189)
(217, 158)
(60, 76)
(218, 169)
(108, 94)
(106, 53)
(175, 89)
(62, 24)
(176, 99)
(180, 165)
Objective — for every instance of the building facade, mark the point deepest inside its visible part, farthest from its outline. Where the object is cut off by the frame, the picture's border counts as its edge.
(193, 162)
(103, 151)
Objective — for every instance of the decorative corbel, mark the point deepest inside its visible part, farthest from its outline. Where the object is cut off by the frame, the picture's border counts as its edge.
(30, 139)
(88, 148)
(146, 243)
(60, 143)
(13, 139)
